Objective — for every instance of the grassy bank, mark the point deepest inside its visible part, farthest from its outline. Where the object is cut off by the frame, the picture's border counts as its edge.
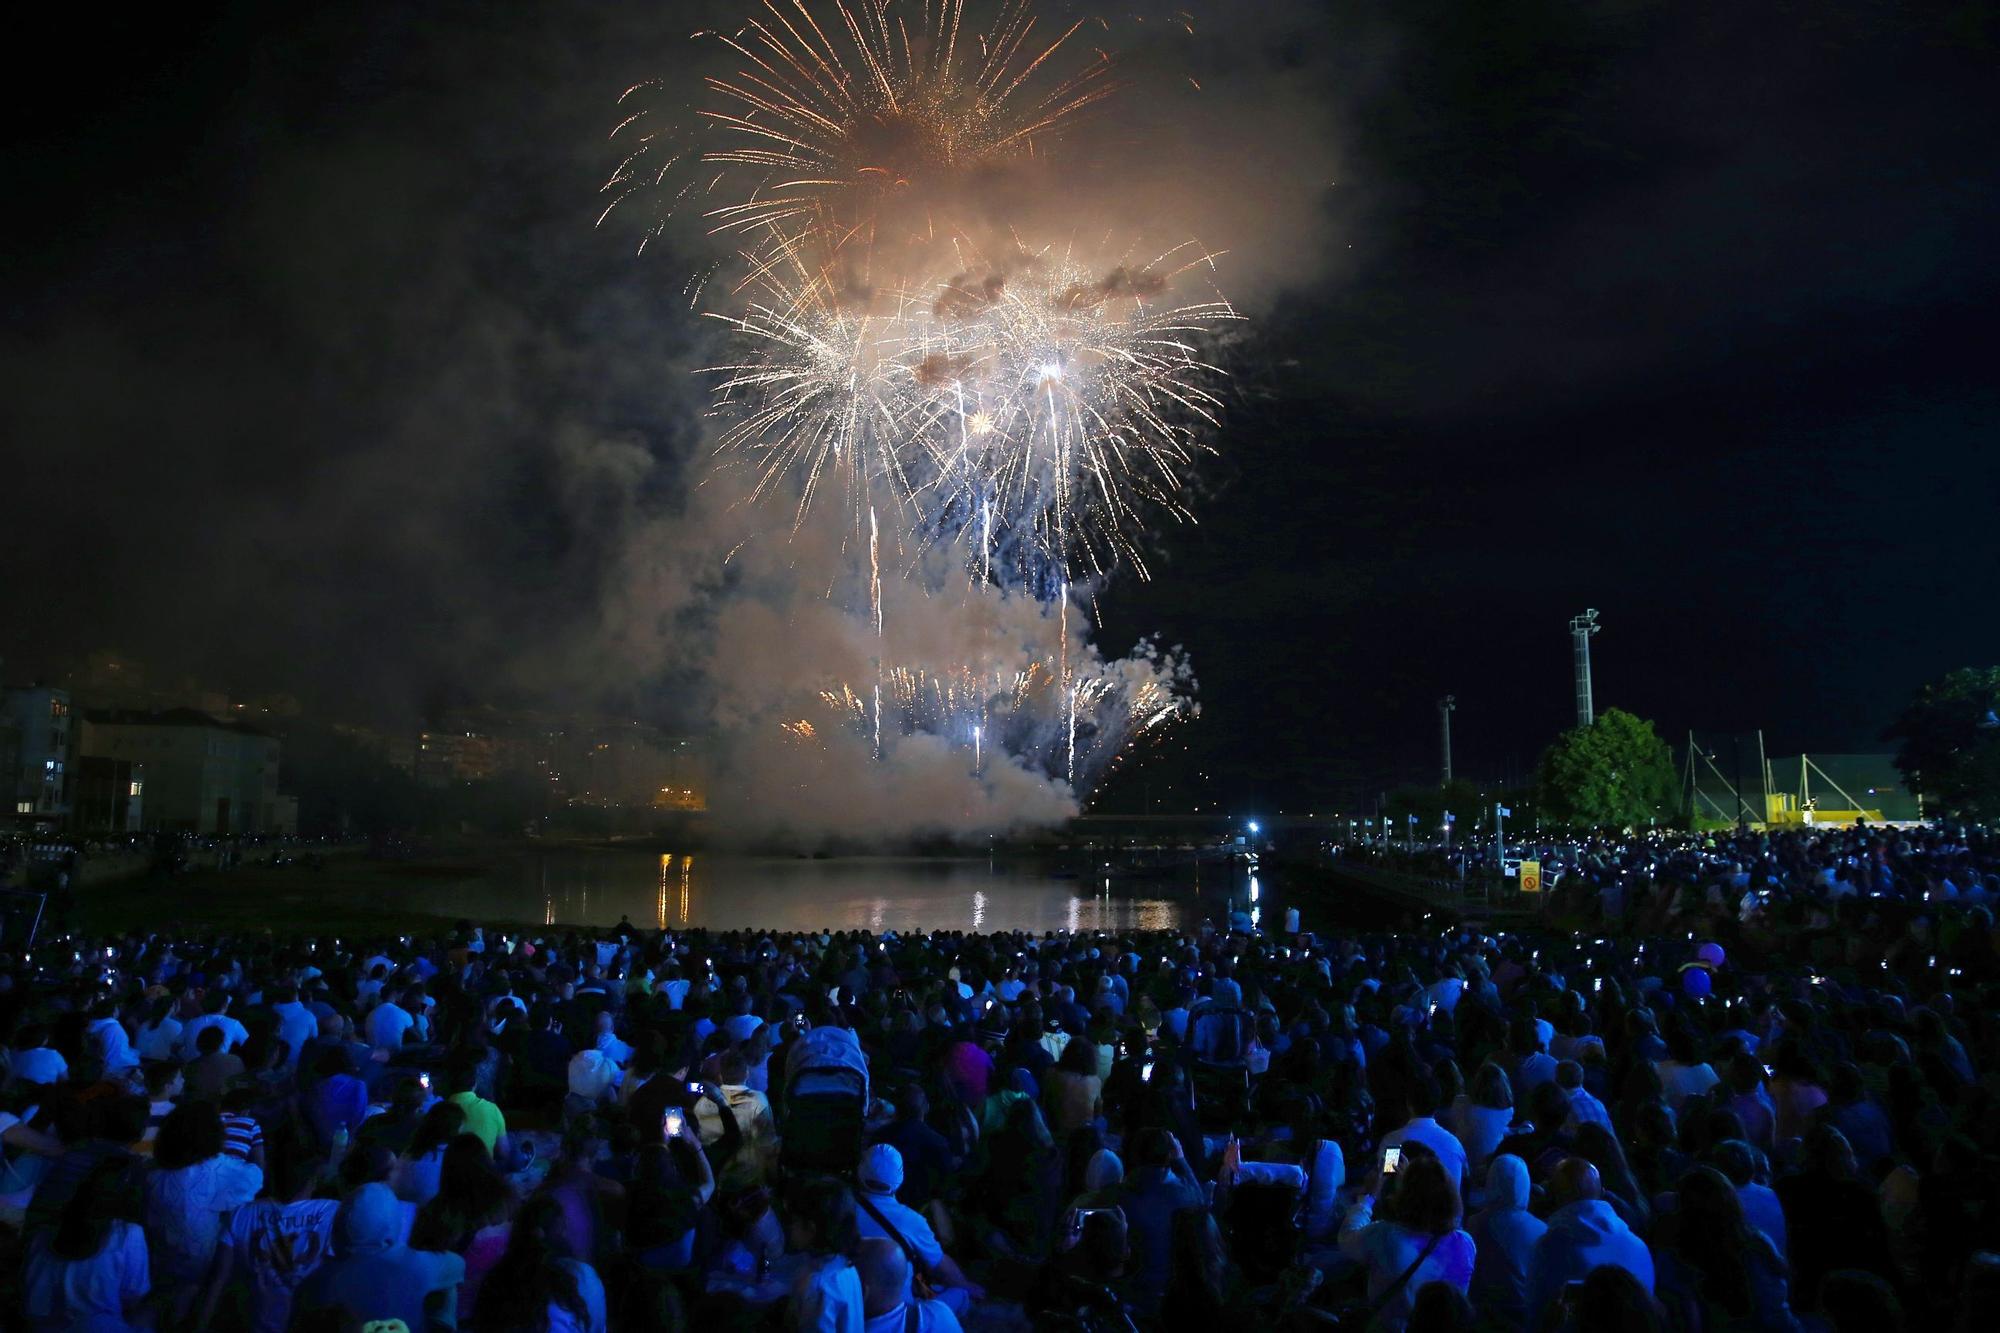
(350, 896)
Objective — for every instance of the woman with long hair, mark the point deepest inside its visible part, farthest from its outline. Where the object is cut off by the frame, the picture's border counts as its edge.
(1481, 1115)
(1716, 1267)
(1198, 1287)
(1072, 1092)
(160, 1033)
(192, 1187)
(539, 1286)
(1418, 1234)
(1655, 1159)
(420, 1163)
(470, 1214)
(91, 1271)
(580, 1192)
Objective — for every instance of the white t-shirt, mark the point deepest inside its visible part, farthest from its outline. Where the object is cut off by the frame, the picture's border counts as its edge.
(277, 1246)
(23, 1165)
(161, 1042)
(387, 1025)
(234, 1034)
(826, 1297)
(590, 1288)
(916, 1232)
(932, 1317)
(1680, 1082)
(88, 1293)
(1442, 1142)
(185, 1207)
(41, 1064)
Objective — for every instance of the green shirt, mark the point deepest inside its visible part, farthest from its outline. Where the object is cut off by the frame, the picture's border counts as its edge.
(482, 1118)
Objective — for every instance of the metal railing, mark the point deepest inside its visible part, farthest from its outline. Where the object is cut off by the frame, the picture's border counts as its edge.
(1438, 891)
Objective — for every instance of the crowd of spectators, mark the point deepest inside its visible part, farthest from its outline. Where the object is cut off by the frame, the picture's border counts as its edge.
(55, 862)
(1760, 1094)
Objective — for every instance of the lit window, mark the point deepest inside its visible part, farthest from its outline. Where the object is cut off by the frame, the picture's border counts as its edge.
(136, 786)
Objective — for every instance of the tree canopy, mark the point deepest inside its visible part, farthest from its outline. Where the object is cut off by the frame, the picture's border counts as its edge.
(1615, 773)
(1950, 743)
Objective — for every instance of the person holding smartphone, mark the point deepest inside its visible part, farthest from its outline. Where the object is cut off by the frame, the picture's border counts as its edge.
(757, 1162)
(1416, 1241)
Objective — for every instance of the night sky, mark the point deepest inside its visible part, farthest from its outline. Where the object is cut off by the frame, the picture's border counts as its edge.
(316, 375)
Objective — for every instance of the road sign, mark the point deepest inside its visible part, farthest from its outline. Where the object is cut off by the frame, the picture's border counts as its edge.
(1531, 876)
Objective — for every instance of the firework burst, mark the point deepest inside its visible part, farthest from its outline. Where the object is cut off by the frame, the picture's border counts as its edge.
(1033, 409)
(838, 114)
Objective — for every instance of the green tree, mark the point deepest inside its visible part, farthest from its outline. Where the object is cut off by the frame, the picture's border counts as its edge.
(1950, 743)
(1615, 773)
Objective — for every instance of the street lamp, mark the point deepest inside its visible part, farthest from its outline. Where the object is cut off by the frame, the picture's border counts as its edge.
(1446, 706)
(1580, 629)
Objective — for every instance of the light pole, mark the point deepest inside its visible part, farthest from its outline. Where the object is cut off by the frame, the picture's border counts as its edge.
(1580, 629)
(1500, 813)
(1445, 707)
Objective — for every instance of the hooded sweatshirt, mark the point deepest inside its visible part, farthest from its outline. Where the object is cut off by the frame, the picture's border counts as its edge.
(1505, 1232)
(373, 1275)
(1101, 1179)
(1582, 1236)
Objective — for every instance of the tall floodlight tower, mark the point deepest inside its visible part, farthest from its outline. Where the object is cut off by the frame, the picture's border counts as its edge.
(1445, 707)
(1580, 629)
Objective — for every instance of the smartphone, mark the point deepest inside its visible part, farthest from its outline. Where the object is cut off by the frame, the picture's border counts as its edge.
(671, 1123)
(1597, 986)
(1770, 1072)
(1392, 1158)
(425, 1080)
(694, 1088)
(1146, 1072)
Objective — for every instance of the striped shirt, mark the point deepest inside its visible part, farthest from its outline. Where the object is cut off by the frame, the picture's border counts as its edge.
(241, 1136)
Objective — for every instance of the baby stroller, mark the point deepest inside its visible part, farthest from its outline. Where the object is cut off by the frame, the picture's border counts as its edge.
(824, 1105)
(1219, 1039)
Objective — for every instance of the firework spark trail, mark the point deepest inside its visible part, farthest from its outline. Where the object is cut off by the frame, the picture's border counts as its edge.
(1030, 713)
